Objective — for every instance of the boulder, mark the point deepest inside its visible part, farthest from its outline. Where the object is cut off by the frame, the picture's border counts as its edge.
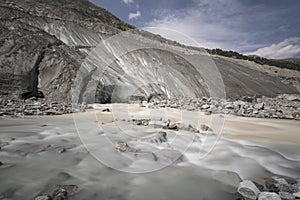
(278, 184)
(161, 137)
(293, 97)
(268, 196)
(259, 186)
(43, 197)
(297, 195)
(53, 112)
(205, 106)
(122, 146)
(230, 180)
(70, 189)
(106, 110)
(286, 196)
(156, 123)
(248, 190)
(60, 194)
(204, 127)
(172, 126)
(272, 185)
(259, 106)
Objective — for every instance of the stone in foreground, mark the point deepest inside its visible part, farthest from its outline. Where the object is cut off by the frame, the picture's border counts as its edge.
(230, 180)
(268, 196)
(248, 190)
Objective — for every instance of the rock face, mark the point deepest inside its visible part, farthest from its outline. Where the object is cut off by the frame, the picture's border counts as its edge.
(48, 50)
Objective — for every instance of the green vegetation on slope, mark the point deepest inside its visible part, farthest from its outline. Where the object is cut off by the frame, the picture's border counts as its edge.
(87, 11)
(292, 63)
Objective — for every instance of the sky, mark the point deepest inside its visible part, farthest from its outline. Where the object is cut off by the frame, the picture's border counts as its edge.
(267, 28)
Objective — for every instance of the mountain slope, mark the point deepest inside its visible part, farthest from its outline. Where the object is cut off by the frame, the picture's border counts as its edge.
(50, 46)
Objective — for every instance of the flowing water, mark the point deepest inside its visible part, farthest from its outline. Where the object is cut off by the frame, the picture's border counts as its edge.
(34, 161)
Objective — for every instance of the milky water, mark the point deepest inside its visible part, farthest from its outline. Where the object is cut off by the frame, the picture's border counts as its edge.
(32, 166)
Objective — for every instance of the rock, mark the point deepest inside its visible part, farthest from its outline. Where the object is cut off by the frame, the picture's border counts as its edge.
(70, 189)
(3, 144)
(248, 190)
(60, 194)
(297, 195)
(268, 196)
(172, 126)
(259, 106)
(106, 110)
(288, 188)
(194, 130)
(277, 184)
(43, 197)
(122, 146)
(230, 180)
(204, 127)
(53, 112)
(159, 138)
(290, 181)
(157, 124)
(190, 108)
(44, 147)
(61, 150)
(293, 97)
(259, 186)
(286, 196)
(140, 122)
(229, 105)
(205, 106)
(272, 185)
(247, 99)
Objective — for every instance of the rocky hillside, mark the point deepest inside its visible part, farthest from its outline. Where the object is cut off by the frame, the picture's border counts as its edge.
(55, 49)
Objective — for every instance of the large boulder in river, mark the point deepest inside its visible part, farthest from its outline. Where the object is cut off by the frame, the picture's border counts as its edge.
(230, 180)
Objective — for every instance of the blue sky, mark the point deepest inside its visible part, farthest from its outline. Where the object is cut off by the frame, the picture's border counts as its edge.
(269, 28)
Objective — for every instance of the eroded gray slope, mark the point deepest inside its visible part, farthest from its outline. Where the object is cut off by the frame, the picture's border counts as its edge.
(240, 80)
(32, 60)
(56, 36)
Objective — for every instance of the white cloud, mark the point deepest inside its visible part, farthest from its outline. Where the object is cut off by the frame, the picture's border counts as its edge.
(210, 23)
(134, 15)
(288, 48)
(127, 1)
(226, 24)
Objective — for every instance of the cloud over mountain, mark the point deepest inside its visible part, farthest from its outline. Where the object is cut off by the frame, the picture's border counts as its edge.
(288, 48)
(134, 15)
(127, 1)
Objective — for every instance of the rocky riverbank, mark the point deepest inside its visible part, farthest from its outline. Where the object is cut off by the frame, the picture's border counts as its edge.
(37, 106)
(281, 107)
(272, 188)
